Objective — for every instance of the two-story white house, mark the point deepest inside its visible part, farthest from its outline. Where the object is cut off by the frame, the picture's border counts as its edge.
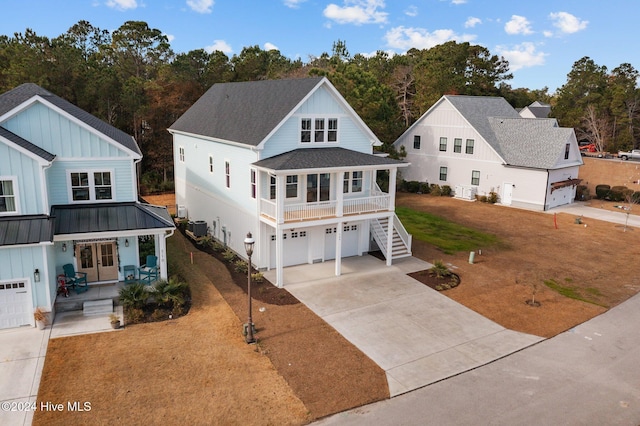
(291, 162)
(478, 145)
(68, 195)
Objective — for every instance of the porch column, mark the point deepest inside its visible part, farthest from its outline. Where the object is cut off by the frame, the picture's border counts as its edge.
(393, 172)
(161, 253)
(389, 240)
(339, 248)
(339, 195)
(279, 259)
(280, 196)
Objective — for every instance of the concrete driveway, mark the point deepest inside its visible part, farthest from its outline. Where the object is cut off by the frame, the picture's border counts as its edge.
(417, 335)
(22, 353)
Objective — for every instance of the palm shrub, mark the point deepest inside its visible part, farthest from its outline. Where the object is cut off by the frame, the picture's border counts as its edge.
(134, 295)
(439, 269)
(170, 293)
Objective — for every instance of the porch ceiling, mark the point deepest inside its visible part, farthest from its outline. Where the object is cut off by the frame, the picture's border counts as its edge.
(111, 217)
(325, 158)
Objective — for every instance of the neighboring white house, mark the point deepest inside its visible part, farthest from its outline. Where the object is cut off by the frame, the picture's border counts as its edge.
(478, 145)
(68, 194)
(535, 110)
(292, 163)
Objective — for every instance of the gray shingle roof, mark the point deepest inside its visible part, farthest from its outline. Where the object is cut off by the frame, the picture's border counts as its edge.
(11, 99)
(530, 142)
(244, 112)
(26, 144)
(319, 158)
(17, 230)
(110, 217)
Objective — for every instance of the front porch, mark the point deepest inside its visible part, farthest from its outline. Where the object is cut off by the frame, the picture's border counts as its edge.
(75, 301)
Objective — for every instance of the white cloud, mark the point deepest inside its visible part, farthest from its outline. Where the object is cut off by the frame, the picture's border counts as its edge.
(406, 38)
(270, 46)
(220, 45)
(357, 12)
(458, 1)
(293, 4)
(122, 4)
(170, 37)
(523, 55)
(567, 23)
(547, 33)
(472, 22)
(518, 25)
(200, 6)
(411, 11)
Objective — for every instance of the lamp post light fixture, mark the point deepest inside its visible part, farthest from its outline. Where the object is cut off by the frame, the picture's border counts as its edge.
(248, 246)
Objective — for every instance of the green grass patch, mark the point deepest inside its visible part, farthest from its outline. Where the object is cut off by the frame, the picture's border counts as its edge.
(448, 236)
(573, 292)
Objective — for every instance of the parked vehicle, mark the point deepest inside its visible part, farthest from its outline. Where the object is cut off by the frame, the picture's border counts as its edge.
(634, 154)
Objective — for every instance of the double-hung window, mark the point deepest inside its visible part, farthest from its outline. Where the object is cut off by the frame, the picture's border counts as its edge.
(292, 186)
(227, 174)
(567, 147)
(8, 202)
(457, 145)
(91, 185)
(469, 147)
(253, 183)
(416, 142)
(475, 177)
(318, 130)
(443, 144)
(211, 164)
(443, 173)
(352, 182)
(181, 154)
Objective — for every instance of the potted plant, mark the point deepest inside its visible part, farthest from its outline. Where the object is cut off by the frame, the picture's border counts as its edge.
(114, 320)
(42, 318)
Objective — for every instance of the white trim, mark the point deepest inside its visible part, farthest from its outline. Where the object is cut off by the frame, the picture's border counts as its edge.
(92, 187)
(16, 195)
(110, 235)
(25, 151)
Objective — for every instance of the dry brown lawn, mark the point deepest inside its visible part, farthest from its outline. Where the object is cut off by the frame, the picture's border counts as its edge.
(198, 370)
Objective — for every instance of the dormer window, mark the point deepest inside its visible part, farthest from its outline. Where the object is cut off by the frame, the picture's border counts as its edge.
(318, 130)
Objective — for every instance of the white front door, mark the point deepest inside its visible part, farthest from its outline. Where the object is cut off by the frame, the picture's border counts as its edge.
(507, 194)
(15, 305)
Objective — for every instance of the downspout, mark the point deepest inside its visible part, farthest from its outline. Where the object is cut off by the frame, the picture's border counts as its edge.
(136, 170)
(546, 192)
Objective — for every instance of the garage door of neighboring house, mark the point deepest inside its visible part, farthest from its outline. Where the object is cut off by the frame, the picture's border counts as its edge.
(561, 196)
(15, 305)
(350, 238)
(296, 248)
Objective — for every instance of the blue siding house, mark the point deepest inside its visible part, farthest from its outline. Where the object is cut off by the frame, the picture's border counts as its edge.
(68, 194)
(291, 162)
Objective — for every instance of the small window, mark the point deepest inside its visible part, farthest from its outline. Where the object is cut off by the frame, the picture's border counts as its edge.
(469, 147)
(475, 177)
(356, 181)
(7, 197)
(272, 188)
(253, 183)
(305, 130)
(567, 147)
(416, 142)
(332, 135)
(181, 154)
(319, 130)
(443, 144)
(457, 145)
(303, 234)
(211, 164)
(292, 186)
(227, 174)
(443, 173)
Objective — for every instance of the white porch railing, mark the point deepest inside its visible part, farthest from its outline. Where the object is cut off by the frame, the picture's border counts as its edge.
(324, 209)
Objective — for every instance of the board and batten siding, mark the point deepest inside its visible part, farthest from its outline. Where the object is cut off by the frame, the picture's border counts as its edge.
(59, 134)
(27, 172)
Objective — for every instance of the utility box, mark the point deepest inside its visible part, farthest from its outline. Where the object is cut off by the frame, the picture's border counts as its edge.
(182, 212)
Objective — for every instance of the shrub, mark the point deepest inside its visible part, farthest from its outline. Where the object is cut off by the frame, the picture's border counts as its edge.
(439, 269)
(435, 190)
(229, 255)
(134, 295)
(617, 193)
(446, 191)
(582, 193)
(424, 188)
(482, 198)
(602, 191)
(241, 266)
(170, 293)
(413, 186)
(635, 197)
(257, 277)
(493, 197)
(134, 315)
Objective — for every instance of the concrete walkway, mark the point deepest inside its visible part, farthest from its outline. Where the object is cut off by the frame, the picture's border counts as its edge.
(581, 208)
(417, 335)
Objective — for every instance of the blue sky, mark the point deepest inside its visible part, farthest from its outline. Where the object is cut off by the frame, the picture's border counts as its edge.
(540, 39)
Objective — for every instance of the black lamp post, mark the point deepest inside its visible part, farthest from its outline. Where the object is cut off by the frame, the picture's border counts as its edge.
(248, 246)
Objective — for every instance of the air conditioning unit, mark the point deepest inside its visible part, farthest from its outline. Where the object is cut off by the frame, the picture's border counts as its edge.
(182, 212)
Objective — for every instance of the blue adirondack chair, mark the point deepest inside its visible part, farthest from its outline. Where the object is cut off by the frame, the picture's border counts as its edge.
(76, 280)
(149, 271)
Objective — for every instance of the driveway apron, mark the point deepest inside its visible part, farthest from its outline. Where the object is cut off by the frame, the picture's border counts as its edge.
(417, 335)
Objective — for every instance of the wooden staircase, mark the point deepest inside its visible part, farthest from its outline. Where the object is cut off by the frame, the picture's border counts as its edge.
(401, 242)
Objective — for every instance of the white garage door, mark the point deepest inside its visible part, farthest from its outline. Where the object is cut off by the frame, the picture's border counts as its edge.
(15, 305)
(296, 250)
(561, 196)
(350, 238)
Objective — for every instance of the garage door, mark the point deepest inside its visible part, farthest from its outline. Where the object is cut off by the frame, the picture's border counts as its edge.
(350, 238)
(561, 196)
(296, 250)
(15, 305)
